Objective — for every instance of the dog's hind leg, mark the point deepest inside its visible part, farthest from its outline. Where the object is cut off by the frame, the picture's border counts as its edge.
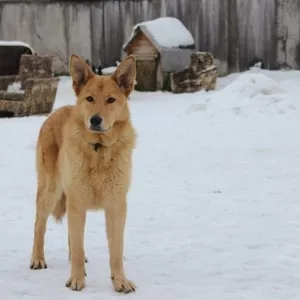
(48, 195)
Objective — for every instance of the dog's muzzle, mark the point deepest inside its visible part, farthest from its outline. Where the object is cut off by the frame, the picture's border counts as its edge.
(95, 123)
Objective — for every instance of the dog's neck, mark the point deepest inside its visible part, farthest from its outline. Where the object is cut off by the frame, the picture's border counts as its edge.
(96, 146)
(103, 141)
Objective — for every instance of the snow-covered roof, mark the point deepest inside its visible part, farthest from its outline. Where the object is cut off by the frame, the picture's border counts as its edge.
(165, 32)
(16, 43)
(109, 70)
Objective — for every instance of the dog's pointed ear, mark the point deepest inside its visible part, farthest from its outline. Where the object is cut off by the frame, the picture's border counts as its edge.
(125, 75)
(80, 72)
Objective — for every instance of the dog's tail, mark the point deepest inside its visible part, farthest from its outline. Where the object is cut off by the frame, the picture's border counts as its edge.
(60, 209)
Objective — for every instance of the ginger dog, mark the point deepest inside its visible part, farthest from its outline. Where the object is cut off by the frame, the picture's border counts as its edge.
(83, 160)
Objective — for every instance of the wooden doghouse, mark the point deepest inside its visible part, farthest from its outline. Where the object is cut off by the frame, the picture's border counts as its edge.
(160, 46)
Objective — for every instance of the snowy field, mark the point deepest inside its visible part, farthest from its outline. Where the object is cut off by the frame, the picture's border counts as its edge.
(214, 210)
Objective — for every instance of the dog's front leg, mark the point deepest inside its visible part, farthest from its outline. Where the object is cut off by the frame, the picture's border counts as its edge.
(76, 223)
(115, 216)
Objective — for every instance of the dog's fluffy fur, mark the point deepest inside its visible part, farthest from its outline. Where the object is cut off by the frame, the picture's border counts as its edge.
(85, 164)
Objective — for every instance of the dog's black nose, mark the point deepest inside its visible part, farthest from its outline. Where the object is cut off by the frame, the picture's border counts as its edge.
(95, 120)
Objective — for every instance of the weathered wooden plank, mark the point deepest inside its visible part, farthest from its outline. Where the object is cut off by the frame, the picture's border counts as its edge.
(97, 34)
(233, 37)
(113, 37)
(256, 20)
(288, 33)
(78, 22)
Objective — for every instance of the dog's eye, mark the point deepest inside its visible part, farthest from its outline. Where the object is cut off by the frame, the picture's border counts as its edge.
(89, 99)
(110, 100)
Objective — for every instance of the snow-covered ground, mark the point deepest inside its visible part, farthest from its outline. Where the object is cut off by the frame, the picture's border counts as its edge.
(214, 210)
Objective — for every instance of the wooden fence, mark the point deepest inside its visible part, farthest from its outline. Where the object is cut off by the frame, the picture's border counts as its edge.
(238, 32)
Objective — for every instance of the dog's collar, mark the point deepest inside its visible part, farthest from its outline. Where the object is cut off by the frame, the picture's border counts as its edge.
(96, 146)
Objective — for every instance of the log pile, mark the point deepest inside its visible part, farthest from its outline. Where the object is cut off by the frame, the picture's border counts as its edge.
(38, 88)
(200, 75)
(34, 66)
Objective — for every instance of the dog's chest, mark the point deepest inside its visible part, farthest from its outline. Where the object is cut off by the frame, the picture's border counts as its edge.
(105, 176)
(96, 176)
(101, 173)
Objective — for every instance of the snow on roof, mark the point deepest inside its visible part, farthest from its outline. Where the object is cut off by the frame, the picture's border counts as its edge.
(16, 43)
(165, 32)
(109, 70)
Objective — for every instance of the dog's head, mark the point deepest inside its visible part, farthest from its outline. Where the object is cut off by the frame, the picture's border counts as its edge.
(102, 100)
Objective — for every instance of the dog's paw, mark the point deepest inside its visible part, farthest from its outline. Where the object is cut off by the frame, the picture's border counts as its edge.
(123, 285)
(75, 284)
(37, 264)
